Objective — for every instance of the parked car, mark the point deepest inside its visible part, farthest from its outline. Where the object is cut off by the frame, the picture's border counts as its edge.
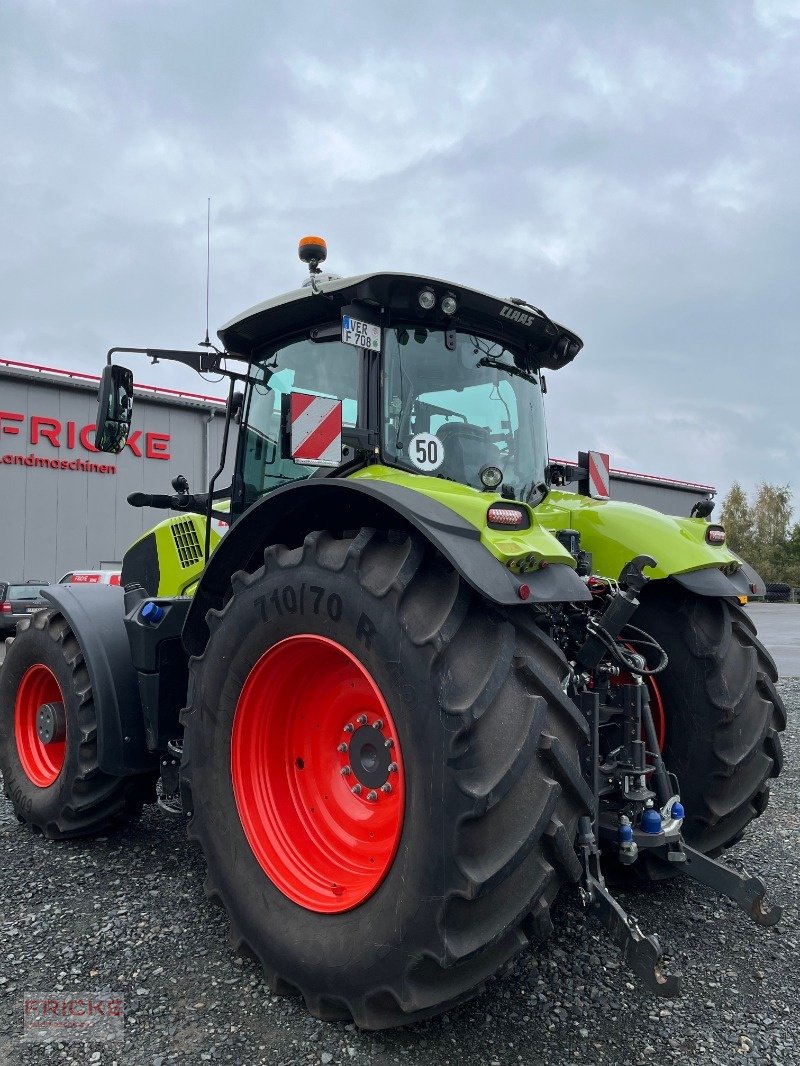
(91, 577)
(18, 600)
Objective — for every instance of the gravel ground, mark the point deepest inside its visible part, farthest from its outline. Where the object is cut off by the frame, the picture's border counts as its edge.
(128, 914)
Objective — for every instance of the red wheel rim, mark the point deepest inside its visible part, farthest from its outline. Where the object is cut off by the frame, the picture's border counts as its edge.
(317, 774)
(41, 762)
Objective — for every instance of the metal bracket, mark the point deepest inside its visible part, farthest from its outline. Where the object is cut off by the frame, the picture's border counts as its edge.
(641, 953)
(746, 891)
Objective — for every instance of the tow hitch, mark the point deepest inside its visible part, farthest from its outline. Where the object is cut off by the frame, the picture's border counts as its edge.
(636, 801)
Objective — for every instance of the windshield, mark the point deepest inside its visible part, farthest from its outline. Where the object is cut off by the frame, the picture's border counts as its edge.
(451, 410)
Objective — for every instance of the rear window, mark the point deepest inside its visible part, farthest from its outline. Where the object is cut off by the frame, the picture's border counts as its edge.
(25, 592)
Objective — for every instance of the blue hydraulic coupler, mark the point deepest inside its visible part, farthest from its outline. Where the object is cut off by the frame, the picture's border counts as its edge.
(677, 811)
(625, 833)
(651, 822)
(152, 613)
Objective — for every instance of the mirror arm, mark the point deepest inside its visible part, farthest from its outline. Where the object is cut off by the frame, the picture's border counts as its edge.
(200, 362)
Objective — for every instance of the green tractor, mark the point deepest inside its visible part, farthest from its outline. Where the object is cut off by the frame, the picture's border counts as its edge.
(417, 687)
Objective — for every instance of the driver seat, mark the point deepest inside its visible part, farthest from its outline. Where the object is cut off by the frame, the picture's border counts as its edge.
(466, 449)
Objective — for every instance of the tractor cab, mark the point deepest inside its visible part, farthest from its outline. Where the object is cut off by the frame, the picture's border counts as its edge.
(403, 370)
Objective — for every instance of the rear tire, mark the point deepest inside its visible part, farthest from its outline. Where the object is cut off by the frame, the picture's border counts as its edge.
(723, 713)
(488, 749)
(59, 789)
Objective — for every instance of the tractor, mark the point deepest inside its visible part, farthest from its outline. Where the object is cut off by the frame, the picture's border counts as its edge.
(417, 687)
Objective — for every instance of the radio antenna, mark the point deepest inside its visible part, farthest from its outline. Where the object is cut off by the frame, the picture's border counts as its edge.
(207, 343)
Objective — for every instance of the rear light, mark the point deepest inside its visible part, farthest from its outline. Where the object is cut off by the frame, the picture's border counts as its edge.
(5, 607)
(505, 516)
(715, 535)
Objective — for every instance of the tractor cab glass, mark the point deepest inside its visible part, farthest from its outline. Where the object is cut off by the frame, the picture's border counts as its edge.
(326, 369)
(455, 403)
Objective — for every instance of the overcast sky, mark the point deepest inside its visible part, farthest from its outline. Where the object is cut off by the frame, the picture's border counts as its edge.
(631, 167)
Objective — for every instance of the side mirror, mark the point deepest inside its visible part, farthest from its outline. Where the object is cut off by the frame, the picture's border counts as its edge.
(114, 409)
(236, 406)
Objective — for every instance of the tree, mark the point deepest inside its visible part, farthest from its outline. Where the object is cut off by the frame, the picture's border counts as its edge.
(789, 557)
(772, 512)
(759, 531)
(738, 521)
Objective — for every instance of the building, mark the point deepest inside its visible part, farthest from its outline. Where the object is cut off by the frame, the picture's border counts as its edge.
(63, 505)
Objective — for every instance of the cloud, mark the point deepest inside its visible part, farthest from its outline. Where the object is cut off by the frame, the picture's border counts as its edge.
(631, 169)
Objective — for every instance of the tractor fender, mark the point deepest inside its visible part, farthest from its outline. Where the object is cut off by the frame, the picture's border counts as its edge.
(95, 615)
(713, 582)
(289, 514)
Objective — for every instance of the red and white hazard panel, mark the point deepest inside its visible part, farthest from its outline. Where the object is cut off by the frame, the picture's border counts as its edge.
(315, 430)
(599, 475)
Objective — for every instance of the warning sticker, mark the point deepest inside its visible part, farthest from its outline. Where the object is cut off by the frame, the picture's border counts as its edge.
(315, 427)
(362, 334)
(426, 452)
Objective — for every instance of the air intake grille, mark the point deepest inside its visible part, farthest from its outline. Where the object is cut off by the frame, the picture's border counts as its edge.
(187, 543)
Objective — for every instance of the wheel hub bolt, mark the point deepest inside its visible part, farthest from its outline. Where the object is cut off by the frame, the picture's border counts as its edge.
(362, 719)
(378, 724)
(386, 788)
(356, 790)
(342, 747)
(392, 767)
(388, 743)
(348, 728)
(346, 771)
(372, 796)
(51, 723)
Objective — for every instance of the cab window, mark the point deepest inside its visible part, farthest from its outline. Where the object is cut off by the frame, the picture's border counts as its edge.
(327, 368)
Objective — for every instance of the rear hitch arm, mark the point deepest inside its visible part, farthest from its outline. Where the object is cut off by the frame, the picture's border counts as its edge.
(641, 953)
(746, 891)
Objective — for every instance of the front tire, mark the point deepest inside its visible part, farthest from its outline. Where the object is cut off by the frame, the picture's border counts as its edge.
(485, 795)
(57, 785)
(722, 711)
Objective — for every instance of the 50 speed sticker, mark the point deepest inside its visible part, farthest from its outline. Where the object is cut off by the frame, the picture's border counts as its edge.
(426, 452)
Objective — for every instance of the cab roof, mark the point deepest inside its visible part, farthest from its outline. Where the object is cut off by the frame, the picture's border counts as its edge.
(394, 299)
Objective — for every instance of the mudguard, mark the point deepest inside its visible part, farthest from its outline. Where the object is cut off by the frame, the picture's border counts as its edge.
(614, 532)
(287, 515)
(95, 615)
(711, 582)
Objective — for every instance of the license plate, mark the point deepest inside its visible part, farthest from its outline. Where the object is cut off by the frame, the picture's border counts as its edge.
(35, 610)
(362, 334)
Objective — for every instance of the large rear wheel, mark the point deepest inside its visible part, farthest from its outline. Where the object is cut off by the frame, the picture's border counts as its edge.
(382, 771)
(721, 713)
